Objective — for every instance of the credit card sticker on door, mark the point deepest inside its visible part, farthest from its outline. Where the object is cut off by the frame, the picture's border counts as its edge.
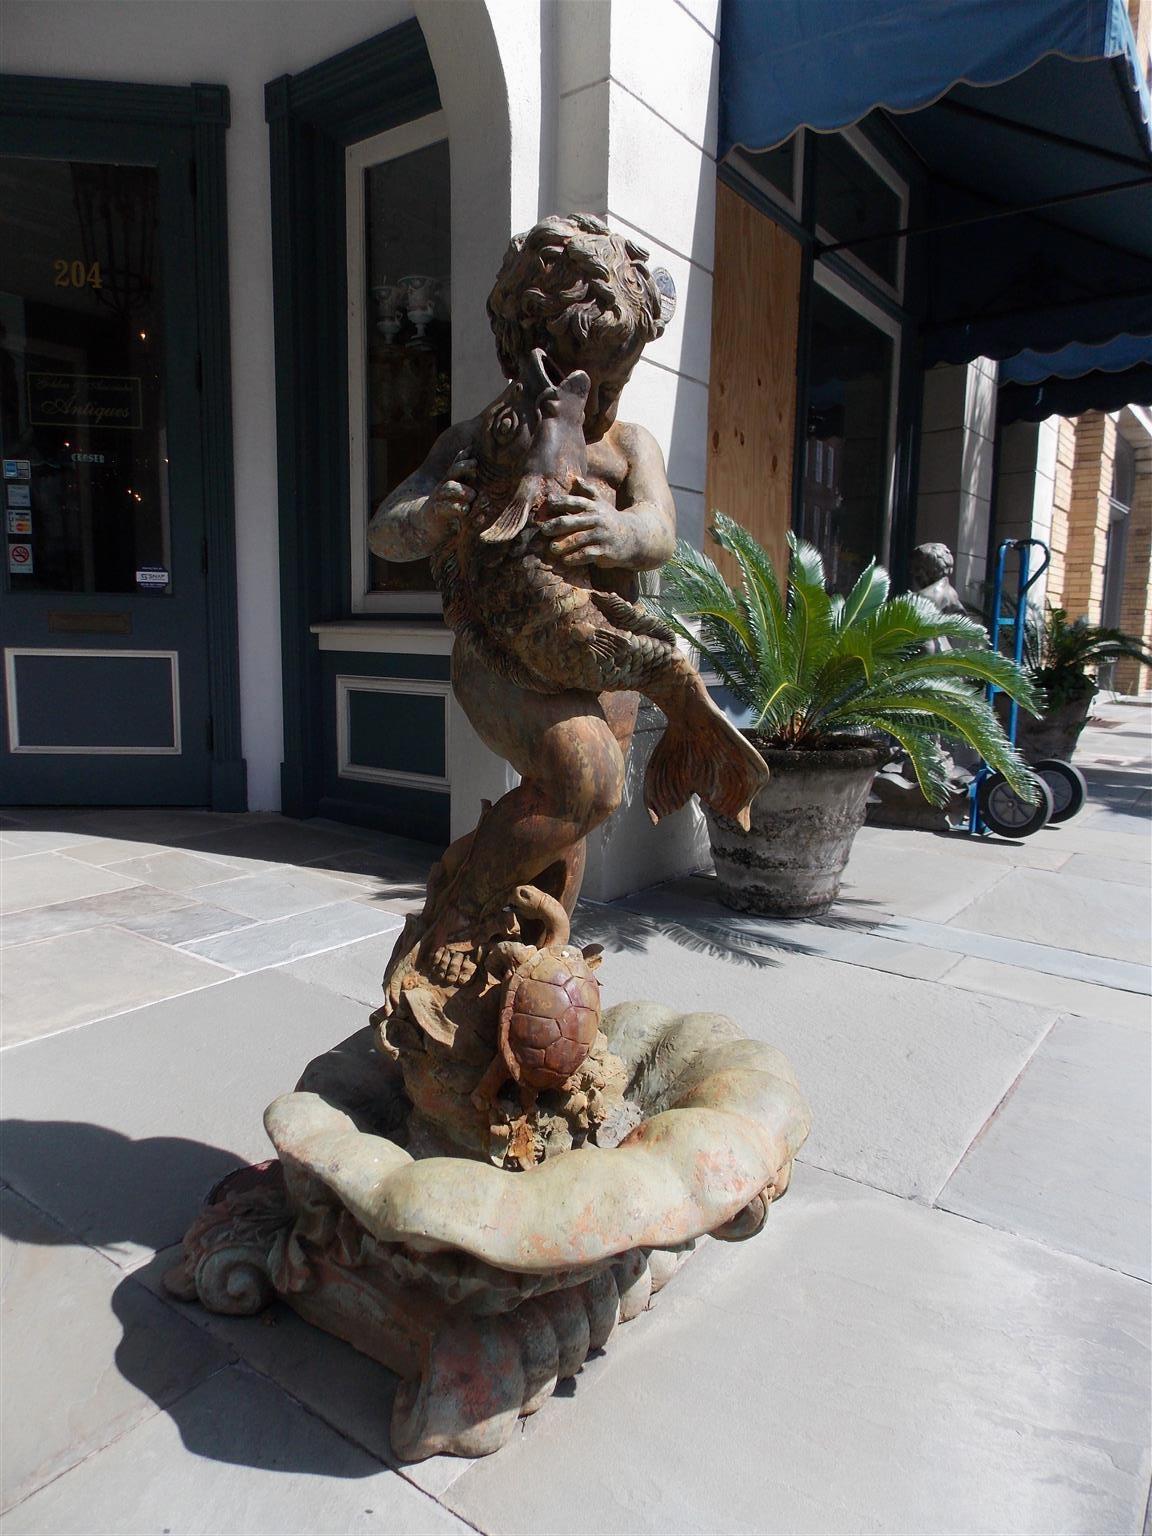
(19, 522)
(17, 469)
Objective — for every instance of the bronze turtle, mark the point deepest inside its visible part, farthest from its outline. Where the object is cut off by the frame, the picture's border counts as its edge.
(550, 1006)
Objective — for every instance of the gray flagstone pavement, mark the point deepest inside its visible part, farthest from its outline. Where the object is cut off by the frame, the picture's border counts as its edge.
(943, 1328)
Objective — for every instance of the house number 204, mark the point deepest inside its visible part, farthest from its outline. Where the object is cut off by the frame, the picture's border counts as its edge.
(77, 274)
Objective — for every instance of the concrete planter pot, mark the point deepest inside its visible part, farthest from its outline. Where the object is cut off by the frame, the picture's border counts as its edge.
(803, 822)
(1057, 731)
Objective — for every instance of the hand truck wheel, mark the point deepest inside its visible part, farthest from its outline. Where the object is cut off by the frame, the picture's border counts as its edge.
(1008, 814)
(1068, 785)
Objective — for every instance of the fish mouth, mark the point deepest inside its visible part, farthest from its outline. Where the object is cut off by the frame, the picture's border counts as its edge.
(541, 375)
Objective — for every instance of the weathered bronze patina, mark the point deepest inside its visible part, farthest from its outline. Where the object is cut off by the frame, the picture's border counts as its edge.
(479, 1185)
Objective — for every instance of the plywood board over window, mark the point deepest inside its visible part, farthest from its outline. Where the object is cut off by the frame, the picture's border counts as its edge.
(752, 398)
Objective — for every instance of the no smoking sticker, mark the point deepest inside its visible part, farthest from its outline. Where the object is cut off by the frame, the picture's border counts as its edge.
(20, 558)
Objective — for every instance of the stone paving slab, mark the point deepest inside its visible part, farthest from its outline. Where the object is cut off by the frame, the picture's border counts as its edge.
(1064, 911)
(234, 1455)
(279, 892)
(1067, 1158)
(40, 878)
(135, 904)
(1124, 975)
(87, 1354)
(876, 882)
(174, 869)
(280, 841)
(292, 938)
(864, 1365)
(900, 1073)
(353, 970)
(350, 1392)
(1083, 998)
(17, 841)
(194, 920)
(117, 1131)
(1120, 871)
(692, 903)
(52, 984)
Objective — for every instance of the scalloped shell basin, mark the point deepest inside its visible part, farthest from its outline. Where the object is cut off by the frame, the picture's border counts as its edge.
(723, 1120)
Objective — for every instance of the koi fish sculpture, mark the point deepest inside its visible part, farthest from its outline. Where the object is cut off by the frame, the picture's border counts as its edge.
(550, 630)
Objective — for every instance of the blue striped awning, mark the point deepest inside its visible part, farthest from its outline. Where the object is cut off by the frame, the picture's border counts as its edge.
(1032, 118)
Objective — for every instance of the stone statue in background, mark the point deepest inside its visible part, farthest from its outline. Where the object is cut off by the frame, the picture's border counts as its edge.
(480, 1184)
(930, 571)
(897, 799)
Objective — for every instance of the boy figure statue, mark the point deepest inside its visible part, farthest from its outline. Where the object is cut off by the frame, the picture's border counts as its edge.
(572, 308)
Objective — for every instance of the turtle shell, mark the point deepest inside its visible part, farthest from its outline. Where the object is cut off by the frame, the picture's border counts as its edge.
(550, 1017)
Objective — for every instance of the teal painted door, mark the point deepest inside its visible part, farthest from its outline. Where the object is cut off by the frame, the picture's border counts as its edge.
(104, 626)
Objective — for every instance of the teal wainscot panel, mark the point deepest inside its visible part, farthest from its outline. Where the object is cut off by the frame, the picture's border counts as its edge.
(386, 742)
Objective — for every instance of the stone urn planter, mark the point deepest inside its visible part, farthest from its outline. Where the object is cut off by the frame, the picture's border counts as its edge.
(1055, 733)
(790, 862)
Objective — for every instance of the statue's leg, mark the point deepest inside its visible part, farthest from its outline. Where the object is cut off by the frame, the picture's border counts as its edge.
(568, 754)
(564, 878)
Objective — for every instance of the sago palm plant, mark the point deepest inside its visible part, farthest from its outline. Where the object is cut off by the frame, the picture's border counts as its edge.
(819, 671)
(1061, 655)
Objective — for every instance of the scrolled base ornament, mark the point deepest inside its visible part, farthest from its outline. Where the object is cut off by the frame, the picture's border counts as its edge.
(480, 1287)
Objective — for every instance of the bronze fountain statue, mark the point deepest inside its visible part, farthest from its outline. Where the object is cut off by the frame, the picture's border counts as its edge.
(479, 1185)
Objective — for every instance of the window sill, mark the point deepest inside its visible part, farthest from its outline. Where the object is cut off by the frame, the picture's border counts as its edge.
(399, 636)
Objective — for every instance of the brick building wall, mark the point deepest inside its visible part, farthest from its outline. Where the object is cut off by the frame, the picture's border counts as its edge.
(1061, 508)
(1136, 602)
(1089, 514)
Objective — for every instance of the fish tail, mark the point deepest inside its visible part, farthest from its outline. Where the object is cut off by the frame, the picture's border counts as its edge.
(701, 752)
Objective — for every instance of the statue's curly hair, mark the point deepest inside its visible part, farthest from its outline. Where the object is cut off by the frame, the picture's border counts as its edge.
(570, 274)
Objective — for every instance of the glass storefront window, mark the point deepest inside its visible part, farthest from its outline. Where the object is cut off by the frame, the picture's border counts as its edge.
(776, 167)
(847, 456)
(853, 201)
(405, 271)
(82, 408)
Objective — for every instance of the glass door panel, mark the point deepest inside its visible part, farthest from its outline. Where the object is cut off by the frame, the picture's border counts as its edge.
(104, 618)
(82, 409)
(847, 458)
(400, 392)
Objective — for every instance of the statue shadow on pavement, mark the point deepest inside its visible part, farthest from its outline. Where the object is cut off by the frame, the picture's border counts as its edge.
(91, 1187)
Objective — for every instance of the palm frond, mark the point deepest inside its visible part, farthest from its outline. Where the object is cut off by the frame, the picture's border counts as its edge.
(817, 666)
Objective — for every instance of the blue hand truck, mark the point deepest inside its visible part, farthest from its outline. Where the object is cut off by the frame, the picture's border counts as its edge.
(994, 805)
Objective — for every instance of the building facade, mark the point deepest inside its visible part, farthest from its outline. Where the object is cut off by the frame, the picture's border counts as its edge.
(251, 244)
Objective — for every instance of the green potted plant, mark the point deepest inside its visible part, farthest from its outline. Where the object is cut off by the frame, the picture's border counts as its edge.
(1063, 658)
(831, 685)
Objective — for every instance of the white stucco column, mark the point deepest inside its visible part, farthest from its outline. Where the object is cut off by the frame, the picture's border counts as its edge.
(955, 496)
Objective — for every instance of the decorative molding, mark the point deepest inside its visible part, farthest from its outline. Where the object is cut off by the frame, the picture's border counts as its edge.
(312, 117)
(56, 653)
(389, 638)
(184, 127)
(118, 101)
(400, 778)
(229, 773)
(381, 147)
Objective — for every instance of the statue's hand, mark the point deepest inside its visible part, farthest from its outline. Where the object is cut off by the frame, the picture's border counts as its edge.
(584, 529)
(451, 499)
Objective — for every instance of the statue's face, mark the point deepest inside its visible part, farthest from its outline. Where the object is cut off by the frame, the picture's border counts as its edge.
(607, 376)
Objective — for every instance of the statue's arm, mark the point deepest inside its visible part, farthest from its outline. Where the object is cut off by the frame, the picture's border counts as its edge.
(408, 524)
(647, 498)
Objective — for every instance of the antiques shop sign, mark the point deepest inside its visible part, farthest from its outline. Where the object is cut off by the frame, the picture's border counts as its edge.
(84, 400)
